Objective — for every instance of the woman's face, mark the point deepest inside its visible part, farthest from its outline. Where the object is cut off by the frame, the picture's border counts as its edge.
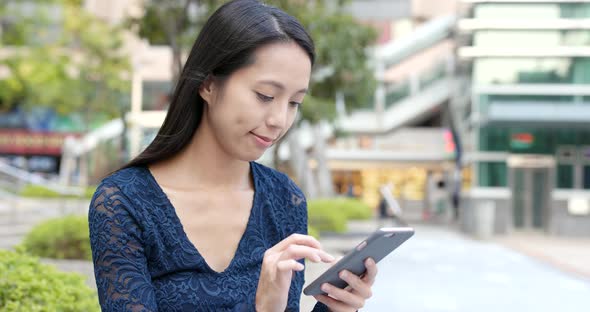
(257, 104)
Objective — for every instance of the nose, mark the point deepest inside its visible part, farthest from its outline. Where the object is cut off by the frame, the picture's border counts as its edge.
(278, 115)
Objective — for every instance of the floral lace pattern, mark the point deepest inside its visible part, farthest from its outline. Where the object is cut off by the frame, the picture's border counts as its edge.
(144, 261)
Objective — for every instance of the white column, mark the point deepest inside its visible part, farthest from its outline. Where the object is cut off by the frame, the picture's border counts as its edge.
(380, 94)
(136, 109)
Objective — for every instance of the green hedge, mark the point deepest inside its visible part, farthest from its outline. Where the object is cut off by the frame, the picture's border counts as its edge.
(312, 231)
(39, 191)
(332, 214)
(354, 209)
(62, 238)
(28, 285)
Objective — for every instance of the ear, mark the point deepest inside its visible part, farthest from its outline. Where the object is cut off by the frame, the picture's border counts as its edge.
(207, 89)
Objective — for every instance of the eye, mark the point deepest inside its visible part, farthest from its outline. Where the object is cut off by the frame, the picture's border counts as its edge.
(295, 104)
(264, 98)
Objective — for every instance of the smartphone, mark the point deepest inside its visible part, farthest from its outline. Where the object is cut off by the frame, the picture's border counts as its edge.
(378, 245)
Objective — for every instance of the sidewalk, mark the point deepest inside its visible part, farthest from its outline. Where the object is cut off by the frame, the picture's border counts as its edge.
(571, 255)
(442, 269)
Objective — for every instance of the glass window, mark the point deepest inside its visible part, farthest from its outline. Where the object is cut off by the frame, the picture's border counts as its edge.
(492, 174)
(531, 70)
(532, 10)
(494, 139)
(565, 176)
(531, 38)
(156, 95)
(530, 140)
(395, 93)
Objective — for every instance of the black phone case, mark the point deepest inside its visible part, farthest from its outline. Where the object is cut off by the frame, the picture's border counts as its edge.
(376, 246)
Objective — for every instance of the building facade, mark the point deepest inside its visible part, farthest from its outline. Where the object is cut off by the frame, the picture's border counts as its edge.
(531, 86)
(530, 100)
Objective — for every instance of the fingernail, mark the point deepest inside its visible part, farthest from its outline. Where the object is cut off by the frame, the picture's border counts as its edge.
(325, 288)
(343, 274)
(330, 257)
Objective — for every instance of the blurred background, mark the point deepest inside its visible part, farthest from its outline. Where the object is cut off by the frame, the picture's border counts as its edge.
(469, 120)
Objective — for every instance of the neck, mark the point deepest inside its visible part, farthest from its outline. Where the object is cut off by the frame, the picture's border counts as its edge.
(203, 164)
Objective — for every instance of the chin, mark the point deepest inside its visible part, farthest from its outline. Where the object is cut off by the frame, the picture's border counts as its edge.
(252, 156)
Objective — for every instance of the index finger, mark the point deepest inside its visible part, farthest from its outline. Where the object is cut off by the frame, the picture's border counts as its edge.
(298, 239)
(371, 271)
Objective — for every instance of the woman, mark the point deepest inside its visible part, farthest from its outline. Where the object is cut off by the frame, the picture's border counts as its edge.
(193, 223)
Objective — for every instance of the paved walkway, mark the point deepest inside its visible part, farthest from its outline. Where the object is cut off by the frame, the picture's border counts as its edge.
(571, 255)
(442, 270)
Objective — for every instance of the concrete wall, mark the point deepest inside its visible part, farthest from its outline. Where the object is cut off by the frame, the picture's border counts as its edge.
(380, 9)
(561, 222)
(502, 218)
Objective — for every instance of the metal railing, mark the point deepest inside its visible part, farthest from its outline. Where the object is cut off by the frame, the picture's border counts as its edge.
(13, 180)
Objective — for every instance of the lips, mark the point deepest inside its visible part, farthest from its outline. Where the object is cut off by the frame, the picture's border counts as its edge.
(263, 138)
(263, 141)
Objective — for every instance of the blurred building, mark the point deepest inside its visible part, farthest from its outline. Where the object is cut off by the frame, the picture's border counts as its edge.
(509, 80)
(412, 110)
(529, 63)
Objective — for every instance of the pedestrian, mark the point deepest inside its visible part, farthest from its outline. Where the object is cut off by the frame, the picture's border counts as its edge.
(194, 223)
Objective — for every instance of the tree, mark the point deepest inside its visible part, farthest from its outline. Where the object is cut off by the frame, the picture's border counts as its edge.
(341, 44)
(341, 67)
(174, 23)
(60, 56)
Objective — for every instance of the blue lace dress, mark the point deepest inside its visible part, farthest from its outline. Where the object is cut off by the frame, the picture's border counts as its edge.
(144, 261)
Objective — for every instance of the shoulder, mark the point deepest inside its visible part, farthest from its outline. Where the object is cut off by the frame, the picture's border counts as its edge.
(278, 183)
(122, 188)
(126, 176)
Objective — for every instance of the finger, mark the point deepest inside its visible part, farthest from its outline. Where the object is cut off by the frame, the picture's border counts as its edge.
(297, 239)
(300, 251)
(335, 260)
(371, 271)
(357, 285)
(290, 265)
(346, 297)
(333, 304)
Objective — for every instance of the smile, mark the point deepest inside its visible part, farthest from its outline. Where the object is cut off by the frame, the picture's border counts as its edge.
(262, 141)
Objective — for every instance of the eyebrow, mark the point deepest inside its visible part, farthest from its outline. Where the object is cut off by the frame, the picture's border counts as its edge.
(278, 85)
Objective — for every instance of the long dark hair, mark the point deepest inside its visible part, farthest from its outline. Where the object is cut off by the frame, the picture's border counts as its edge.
(225, 44)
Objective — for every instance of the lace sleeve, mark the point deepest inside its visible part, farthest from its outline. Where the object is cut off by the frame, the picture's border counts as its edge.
(298, 224)
(120, 266)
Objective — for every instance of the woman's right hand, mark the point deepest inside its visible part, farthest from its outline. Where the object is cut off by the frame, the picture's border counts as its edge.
(278, 265)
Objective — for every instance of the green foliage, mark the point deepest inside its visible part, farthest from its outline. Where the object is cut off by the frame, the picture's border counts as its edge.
(28, 285)
(36, 191)
(324, 218)
(341, 44)
(71, 61)
(39, 191)
(332, 214)
(352, 209)
(312, 231)
(62, 238)
(89, 192)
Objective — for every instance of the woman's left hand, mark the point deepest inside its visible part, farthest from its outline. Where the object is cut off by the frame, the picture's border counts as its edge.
(352, 297)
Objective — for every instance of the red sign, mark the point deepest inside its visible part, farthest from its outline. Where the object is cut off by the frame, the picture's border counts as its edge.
(21, 142)
(522, 140)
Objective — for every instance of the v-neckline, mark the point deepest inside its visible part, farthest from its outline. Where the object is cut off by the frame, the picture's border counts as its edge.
(185, 236)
